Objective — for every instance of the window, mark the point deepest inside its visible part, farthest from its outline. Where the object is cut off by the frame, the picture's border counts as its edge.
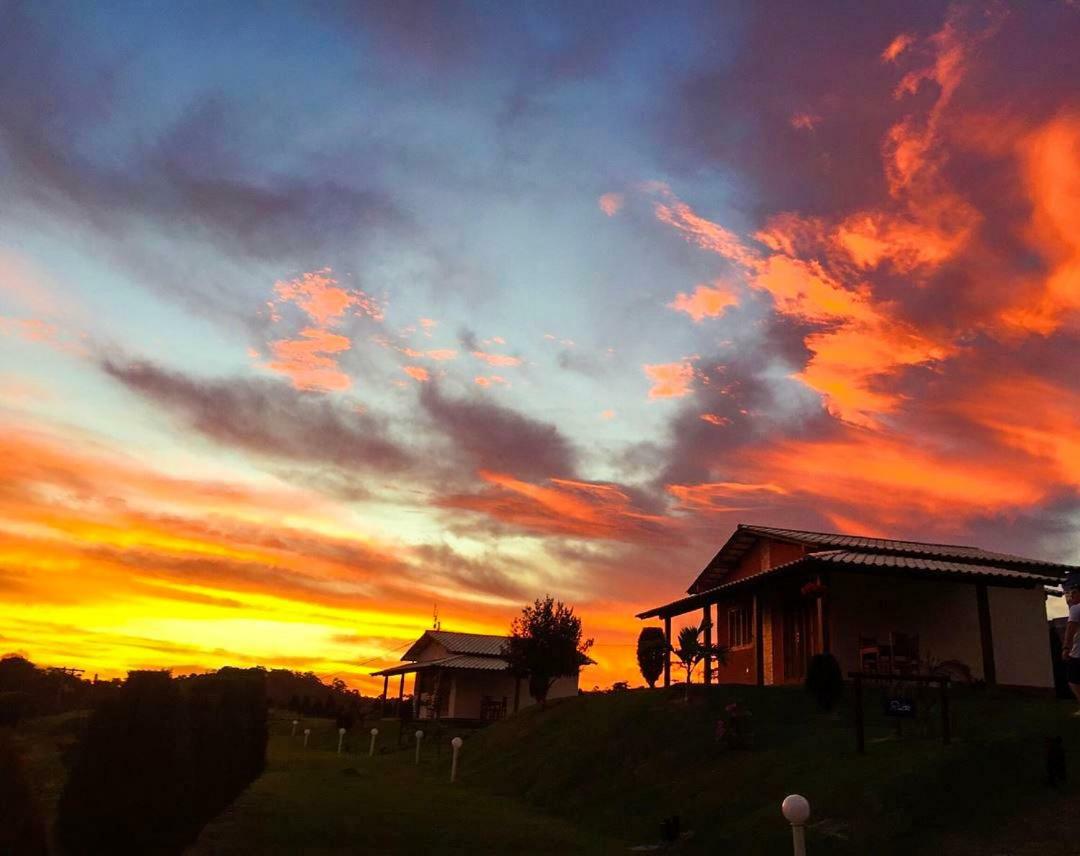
(740, 627)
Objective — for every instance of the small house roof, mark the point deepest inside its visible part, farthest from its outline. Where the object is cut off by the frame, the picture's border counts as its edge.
(479, 644)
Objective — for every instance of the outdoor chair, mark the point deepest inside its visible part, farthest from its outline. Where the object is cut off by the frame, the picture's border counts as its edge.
(905, 652)
(869, 654)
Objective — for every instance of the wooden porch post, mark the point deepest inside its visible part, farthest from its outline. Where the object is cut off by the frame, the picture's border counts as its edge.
(823, 616)
(706, 620)
(382, 701)
(986, 633)
(400, 694)
(759, 642)
(416, 695)
(667, 654)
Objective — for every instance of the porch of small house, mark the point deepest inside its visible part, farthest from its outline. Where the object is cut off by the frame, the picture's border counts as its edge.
(870, 620)
(462, 694)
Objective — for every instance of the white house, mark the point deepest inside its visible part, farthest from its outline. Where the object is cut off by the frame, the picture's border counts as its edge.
(463, 676)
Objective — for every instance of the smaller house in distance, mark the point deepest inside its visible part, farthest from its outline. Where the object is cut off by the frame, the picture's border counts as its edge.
(776, 597)
(463, 676)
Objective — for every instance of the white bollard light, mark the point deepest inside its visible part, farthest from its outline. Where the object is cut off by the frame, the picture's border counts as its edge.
(796, 811)
(340, 739)
(456, 743)
(374, 734)
(295, 723)
(307, 734)
(419, 737)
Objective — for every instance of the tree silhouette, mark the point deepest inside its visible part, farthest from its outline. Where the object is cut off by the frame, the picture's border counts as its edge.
(545, 643)
(652, 653)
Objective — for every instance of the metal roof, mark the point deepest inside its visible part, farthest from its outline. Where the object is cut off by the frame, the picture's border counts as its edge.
(866, 562)
(461, 661)
(481, 644)
(746, 535)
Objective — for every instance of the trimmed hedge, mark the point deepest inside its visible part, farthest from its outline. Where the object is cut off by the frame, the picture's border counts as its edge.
(162, 758)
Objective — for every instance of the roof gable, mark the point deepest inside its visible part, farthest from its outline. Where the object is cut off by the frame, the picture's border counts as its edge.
(473, 644)
(746, 536)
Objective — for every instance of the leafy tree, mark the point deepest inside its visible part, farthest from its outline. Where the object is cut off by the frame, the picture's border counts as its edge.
(545, 643)
(691, 650)
(652, 653)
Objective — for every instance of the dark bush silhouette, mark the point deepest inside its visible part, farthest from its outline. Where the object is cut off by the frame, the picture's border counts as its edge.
(824, 680)
(652, 653)
(161, 758)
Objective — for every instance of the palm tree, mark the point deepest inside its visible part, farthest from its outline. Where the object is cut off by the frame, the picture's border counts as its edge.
(691, 651)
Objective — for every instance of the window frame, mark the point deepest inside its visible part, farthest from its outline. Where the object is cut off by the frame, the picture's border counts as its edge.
(740, 627)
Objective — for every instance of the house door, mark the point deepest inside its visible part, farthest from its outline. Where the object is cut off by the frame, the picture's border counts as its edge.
(800, 631)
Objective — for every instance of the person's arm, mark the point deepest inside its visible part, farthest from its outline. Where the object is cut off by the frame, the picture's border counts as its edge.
(1070, 633)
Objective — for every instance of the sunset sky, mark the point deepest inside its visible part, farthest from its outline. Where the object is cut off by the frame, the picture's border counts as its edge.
(315, 315)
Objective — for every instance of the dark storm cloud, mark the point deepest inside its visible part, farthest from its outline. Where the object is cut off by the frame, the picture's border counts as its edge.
(267, 417)
(492, 437)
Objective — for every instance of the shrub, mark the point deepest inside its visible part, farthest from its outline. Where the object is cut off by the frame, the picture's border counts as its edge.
(22, 829)
(652, 653)
(824, 680)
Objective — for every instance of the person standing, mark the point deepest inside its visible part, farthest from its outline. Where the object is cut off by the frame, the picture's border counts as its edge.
(1070, 648)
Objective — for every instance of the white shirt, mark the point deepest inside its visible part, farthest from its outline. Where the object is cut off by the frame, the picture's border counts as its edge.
(1074, 618)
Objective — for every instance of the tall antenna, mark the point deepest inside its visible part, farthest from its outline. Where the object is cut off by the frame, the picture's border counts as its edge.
(435, 623)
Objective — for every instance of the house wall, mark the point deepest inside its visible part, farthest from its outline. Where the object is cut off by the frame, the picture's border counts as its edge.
(766, 553)
(1021, 646)
(468, 688)
(740, 667)
(945, 616)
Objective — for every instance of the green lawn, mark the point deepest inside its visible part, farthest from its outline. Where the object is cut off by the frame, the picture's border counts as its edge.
(315, 801)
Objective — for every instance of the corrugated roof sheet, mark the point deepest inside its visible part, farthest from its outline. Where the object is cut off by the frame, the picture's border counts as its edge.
(890, 545)
(746, 536)
(856, 559)
(469, 643)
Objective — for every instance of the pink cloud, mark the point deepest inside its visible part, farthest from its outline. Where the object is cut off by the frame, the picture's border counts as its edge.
(805, 121)
(670, 380)
(497, 359)
(319, 295)
(305, 363)
(611, 203)
(490, 380)
(441, 354)
(417, 373)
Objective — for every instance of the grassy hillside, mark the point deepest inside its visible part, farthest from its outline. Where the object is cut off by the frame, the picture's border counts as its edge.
(619, 763)
(314, 801)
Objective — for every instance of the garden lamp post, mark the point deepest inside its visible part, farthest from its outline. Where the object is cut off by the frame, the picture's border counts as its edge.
(374, 734)
(340, 739)
(796, 811)
(456, 743)
(295, 723)
(307, 734)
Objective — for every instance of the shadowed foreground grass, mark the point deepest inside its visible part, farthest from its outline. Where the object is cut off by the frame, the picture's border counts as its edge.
(618, 763)
(314, 801)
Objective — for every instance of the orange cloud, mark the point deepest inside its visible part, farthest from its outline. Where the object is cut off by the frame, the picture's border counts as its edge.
(718, 496)
(564, 507)
(441, 354)
(1051, 161)
(489, 380)
(713, 419)
(670, 380)
(706, 301)
(417, 373)
(305, 363)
